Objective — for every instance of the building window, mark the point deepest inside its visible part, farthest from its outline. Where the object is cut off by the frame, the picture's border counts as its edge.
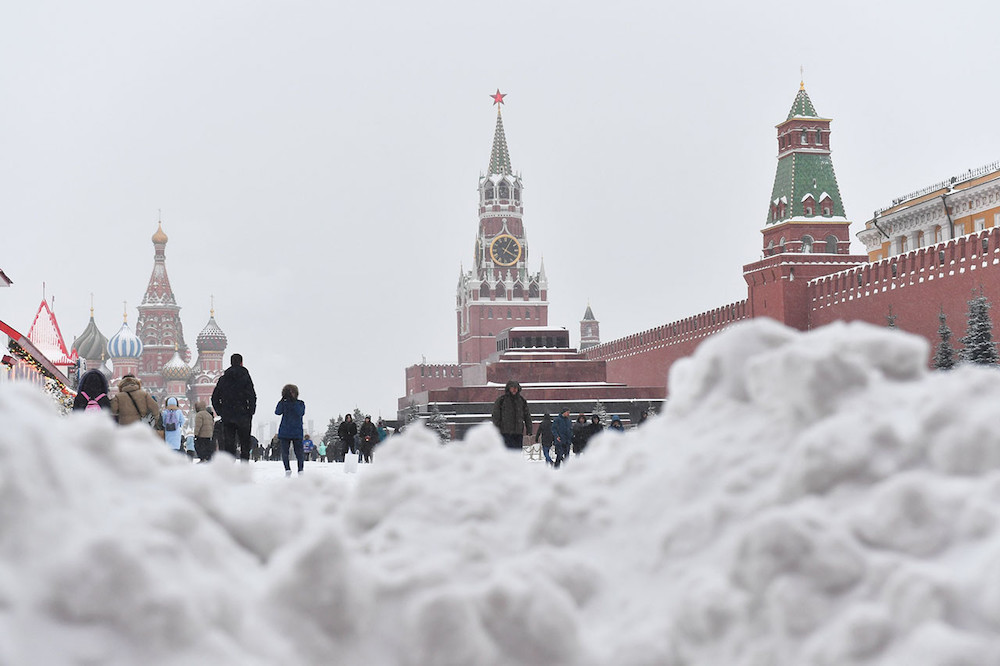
(781, 244)
(807, 243)
(527, 313)
(509, 315)
(831, 245)
(902, 244)
(770, 248)
(980, 224)
(503, 191)
(805, 137)
(489, 192)
(937, 234)
(819, 137)
(484, 290)
(489, 314)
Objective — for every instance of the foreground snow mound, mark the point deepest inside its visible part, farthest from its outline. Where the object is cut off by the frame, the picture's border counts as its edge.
(805, 499)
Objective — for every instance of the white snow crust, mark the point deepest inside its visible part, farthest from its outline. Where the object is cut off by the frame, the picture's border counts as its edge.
(804, 499)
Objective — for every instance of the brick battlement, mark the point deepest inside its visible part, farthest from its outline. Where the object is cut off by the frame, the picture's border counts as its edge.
(936, 262)
(683, 330)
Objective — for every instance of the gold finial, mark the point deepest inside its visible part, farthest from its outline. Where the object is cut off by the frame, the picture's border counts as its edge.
(91, 305)
(211, 312)
(802, 78)
(125, 311)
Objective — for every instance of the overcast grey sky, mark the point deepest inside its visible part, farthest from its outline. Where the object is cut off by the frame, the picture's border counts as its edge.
(316, 162)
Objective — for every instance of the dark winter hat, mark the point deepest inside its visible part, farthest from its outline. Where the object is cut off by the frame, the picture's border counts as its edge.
(564, 410)
(616, 418)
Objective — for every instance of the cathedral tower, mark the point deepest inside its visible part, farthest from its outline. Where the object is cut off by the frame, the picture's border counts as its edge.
(499, 292)
(159, 324)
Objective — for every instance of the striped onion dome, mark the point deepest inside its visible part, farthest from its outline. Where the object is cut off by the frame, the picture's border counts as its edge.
(125, 343)
(176, 368)
(211, 337)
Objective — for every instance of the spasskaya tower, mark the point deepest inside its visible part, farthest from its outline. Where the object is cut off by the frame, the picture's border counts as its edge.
(499, 292)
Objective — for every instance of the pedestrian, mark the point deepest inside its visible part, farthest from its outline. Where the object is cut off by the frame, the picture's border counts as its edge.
(642, 417)
(308, 448)
(291, 410)
(204, 430)
(92, 392)
(511, 416)
(544, 436)
(132, 403)
(321, 448)
(235, 401)
(562, 436)
(595, 426)
(383, 432)
(616, 424)
(347, 431)
(579, 433)
(172, 419)
(368, 434)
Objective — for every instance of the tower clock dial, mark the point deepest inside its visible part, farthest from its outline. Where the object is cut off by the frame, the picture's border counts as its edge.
(505, 250)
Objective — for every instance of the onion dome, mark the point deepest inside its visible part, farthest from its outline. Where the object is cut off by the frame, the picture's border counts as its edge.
(211, 337)
(91, 343)
(159, 236)
(125, 343)
(176, 368)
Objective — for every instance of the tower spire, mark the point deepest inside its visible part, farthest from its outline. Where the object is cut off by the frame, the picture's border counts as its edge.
(499, 157)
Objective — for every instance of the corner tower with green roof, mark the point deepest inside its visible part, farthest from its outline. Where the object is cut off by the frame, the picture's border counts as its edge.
(805, 213)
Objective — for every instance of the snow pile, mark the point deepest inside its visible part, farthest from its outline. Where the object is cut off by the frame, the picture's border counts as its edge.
(805, 499)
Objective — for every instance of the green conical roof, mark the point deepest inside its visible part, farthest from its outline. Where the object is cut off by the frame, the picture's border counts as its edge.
(499, 157)
(802, 107)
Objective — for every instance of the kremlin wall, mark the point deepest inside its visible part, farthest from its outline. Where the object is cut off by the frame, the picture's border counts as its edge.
(925, 254)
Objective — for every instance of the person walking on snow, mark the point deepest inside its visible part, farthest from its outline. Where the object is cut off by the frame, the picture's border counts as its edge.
(204, 429)
(562, 436)
(93, 390)
(235, 401)
(369, 438)
(291, 410)
(133, 403)
(511, 416)
(544, 436)
(172, 419)
(347, 431)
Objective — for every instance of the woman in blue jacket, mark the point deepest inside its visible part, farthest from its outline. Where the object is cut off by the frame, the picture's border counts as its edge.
(562, 435)
(291, 410)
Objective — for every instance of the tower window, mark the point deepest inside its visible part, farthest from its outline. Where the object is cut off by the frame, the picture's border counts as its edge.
(517, 194)
(509, 315)
(807, 243)
(831, 245)
(819, 137)
(527, 313)
(503, 191)
(484, 290)
(500, 292)
(489, 192)
(489, 313)
(804, 137)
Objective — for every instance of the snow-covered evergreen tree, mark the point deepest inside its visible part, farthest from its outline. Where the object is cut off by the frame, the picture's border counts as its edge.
(410, 413)
(944, 355)
(979, 345)
(358, 417)
(439, 424)
(331, 430)
(602, 413)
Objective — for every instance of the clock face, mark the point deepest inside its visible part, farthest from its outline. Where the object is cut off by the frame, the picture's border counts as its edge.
(505, 250)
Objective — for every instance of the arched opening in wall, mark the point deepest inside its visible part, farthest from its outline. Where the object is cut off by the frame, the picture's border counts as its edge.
(920, 239)
(518, 290)
(527, 313)
(903, 245)
(808, 205)
(533, 290)
(484, 290)
(826, 205)
(489, 313)
(488, 192)
(831, 244)
(807, 244)
(770, 248)
(938, 236)
(500, 291)
(503, 191)
(781, 244)
(510, 315)
(804, 137)
(517, 194)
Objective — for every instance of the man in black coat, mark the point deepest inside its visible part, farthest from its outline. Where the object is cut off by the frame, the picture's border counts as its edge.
(347, 431)
(235, 401)
(511, 416)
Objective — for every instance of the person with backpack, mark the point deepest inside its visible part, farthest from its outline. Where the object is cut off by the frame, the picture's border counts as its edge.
(172, 419)
(291, 410)
(92, 394)
(544, 436)
(132, 403)
(347, 431)
(562, 436)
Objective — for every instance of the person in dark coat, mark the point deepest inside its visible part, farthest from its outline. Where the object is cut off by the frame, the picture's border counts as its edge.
(511, 416)
(368, 434)
(235, 401)
(562, 436)
(579, 433)
(589, 431)
(93, 386)
(544, 436)
(291, 410)
(616, 424)
(347, 431)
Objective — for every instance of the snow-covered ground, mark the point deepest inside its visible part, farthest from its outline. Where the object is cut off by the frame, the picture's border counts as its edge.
(805, 499)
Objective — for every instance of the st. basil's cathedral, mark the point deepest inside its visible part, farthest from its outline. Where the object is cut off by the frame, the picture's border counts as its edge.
(154, 351)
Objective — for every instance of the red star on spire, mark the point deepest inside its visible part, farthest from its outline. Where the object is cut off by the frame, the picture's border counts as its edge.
(498, 97)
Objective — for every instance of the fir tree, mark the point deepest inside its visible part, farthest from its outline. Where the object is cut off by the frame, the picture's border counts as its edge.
(944, 355)
(602, 413)
(439, 424)
(979, 345)
(358, 417)
(330, 435)
(410, 414)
